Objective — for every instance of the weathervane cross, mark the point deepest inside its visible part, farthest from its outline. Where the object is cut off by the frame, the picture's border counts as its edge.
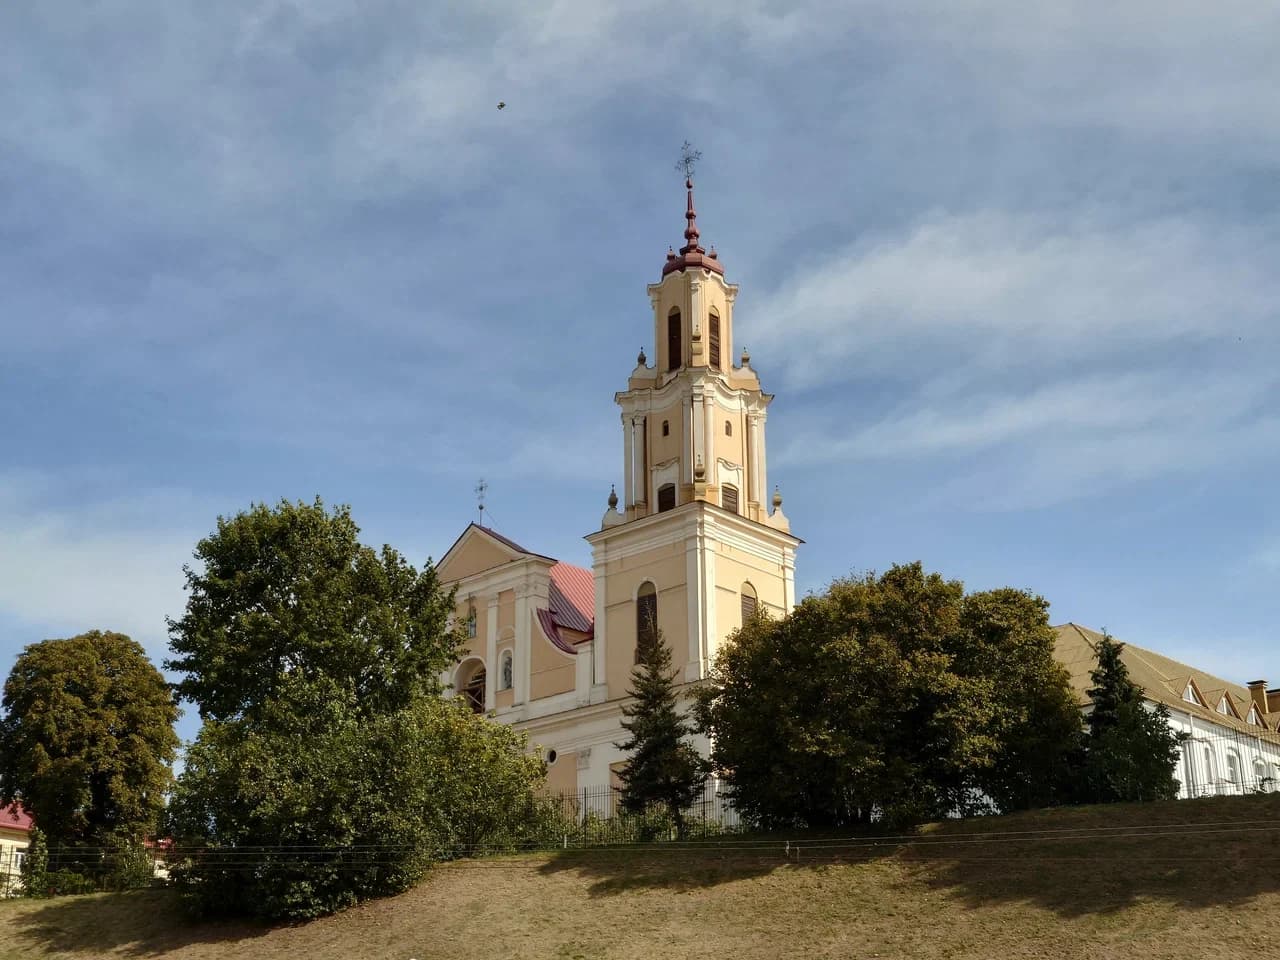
(688, 158)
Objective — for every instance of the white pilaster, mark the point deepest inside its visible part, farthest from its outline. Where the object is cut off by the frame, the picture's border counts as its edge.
(491, 665)
(524, 630)
(628, 470)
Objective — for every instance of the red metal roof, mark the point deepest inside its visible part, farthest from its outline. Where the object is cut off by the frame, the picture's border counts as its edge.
(13, 817)
(573, 597)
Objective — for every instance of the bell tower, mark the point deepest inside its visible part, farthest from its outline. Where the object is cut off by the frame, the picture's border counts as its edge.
(694, 537)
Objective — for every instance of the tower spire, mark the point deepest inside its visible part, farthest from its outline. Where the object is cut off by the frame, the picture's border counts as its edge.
(692, 253)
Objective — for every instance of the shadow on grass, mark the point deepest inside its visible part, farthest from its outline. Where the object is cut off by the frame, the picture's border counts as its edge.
(140, 923)
(1074, 861)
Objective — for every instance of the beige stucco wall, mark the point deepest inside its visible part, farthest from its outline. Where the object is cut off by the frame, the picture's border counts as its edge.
(506, 611)
(666, 567)
(552, 670)
(562, 776)
(733, 568)
(474, 646)
(478, 554)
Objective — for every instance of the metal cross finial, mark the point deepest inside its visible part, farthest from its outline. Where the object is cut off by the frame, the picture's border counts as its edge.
(688, 158)
(481, 489)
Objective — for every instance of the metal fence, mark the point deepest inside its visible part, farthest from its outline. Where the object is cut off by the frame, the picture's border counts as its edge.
(593, 816)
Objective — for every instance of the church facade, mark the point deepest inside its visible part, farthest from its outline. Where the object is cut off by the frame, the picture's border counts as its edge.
(696, 543)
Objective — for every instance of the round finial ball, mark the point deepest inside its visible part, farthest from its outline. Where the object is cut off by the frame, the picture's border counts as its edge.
(641, 360)
(613, 498)
(777, 499)
(746, 357)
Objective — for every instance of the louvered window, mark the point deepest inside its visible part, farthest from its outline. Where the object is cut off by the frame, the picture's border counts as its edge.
(713, 326)
(674, 342)
(748, 602)
(729, 497)
(666, 497)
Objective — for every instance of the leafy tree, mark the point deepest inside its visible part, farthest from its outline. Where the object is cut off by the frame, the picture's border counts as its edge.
(290, 591)
(312, 811)
(891, 698)
(663, 768)
(328, 769)
(87, 742)
(1131, 751)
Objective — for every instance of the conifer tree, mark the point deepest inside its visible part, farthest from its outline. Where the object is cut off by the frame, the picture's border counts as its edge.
(1131, 751)
(663, 769)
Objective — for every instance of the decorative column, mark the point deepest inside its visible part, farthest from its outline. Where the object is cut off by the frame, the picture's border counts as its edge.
(628, 468)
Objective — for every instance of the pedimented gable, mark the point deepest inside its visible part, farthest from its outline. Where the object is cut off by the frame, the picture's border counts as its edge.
(475, 551)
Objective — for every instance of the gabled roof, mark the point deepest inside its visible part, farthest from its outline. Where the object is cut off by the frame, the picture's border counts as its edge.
(13, 817)
(503, 550)
(1162, 680)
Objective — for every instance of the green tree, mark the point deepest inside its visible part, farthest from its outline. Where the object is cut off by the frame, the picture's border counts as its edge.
(87, 742)
(662, 767)
(290, 592)
(328, 768)
(1131, 751)
(892, 698)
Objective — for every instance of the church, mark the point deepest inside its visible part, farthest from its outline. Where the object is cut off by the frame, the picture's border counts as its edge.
(695, 543)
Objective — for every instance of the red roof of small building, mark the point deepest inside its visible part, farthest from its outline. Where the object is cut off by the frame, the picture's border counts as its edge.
(13, 817)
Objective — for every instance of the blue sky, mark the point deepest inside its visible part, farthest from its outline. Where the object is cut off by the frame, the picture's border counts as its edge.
(1010, 271)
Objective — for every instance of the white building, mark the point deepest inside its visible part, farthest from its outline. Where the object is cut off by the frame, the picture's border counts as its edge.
(1233, 731)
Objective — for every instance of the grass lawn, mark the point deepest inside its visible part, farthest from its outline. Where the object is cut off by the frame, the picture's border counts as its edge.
(1158, 880)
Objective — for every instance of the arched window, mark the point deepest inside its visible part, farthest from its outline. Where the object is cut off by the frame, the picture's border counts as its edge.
(666, 428)
(729, 497)
(749, 602)
(1259, 774)
(666, 497)
(674, 340)
(728, 429)
(507, 675)
(1233, 770)
(1210, 769)
(713, 339)
(646, 616)
(470, 685)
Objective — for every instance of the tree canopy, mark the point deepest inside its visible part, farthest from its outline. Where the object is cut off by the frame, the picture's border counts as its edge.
(87, 741)
(288, 592)
(662, 767)
(894, 698)
(328, 768)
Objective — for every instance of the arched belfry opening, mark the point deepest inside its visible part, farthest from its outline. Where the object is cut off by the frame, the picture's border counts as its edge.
(675, 340)
(470, 684)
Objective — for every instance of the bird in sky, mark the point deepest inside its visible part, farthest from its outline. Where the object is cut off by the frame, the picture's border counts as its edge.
(501, 104)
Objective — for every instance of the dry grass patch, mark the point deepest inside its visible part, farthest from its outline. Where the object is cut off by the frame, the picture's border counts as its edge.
(1144, 881)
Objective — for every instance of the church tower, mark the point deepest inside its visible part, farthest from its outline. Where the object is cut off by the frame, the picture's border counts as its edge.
(693, 546)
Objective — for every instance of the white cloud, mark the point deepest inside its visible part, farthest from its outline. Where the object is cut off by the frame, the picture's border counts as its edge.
(108, 566)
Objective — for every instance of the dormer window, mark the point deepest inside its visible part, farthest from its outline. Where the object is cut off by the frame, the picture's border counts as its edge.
(1189, 694)
(713, 340)
(674, 340)
(1223, 707)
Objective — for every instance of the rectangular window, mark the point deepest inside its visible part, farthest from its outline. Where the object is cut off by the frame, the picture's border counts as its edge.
(666, 497)
(748, 607)
(729, 497)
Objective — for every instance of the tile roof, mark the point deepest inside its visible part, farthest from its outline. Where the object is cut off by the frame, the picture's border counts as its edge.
(573, 597)
(13, 817)
(1162, 679)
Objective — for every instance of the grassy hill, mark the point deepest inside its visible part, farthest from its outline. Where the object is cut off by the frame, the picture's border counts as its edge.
(1179, 879)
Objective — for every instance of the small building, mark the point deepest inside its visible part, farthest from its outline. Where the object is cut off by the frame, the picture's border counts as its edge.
(1232, 732)
(15, 833)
